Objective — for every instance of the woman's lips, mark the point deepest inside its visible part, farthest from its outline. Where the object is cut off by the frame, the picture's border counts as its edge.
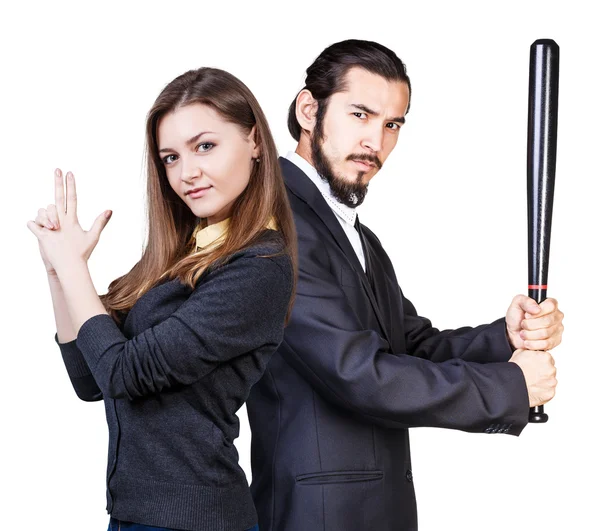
(199, 193)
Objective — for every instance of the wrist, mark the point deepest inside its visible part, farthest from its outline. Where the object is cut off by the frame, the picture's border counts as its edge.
(70, 268)
(53, 276)
(510, 341)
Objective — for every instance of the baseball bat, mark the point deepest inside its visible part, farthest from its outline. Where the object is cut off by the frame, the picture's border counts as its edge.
(541, 167)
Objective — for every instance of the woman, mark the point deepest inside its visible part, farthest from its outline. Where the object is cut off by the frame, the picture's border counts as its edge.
(175, 345)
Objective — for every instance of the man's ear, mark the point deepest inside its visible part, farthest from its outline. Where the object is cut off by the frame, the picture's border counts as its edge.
(306, 110)
(252, 139)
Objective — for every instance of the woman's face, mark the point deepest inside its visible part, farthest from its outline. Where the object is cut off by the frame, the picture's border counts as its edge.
(207, 159)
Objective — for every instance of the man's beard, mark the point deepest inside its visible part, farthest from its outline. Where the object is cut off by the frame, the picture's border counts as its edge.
(351, 194)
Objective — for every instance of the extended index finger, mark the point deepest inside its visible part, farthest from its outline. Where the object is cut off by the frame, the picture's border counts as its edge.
(71, 195)
(59, 192)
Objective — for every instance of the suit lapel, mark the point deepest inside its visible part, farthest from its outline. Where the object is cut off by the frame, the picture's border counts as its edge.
(301, 186)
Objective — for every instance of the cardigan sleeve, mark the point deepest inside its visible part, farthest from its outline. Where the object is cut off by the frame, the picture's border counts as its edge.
(234, 310)
(79, 372)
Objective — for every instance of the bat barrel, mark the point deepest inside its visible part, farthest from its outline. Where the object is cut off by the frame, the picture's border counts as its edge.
(541, 167)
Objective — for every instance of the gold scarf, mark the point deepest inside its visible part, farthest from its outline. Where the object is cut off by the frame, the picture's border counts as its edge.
(207, 235)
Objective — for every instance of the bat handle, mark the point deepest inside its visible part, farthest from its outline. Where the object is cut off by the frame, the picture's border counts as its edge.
(536, 414)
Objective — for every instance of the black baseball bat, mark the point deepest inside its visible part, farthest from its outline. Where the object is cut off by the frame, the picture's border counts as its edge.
(541, 168)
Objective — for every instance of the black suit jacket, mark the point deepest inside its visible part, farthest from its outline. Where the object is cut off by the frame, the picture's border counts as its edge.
(356, 369)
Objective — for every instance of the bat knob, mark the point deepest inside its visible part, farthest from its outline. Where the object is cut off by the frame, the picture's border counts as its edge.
(549, 43)
(537, 415)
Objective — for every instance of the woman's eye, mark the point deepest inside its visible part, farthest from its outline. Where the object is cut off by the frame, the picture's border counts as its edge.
(169, 159)
(359, 114)
(205, 146)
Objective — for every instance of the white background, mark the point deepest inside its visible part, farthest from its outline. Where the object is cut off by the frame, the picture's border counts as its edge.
(449, 207)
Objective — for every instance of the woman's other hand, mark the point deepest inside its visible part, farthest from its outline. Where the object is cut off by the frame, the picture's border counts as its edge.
(60, 237)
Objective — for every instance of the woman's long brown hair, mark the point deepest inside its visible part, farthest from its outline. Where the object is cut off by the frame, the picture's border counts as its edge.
(170, 249)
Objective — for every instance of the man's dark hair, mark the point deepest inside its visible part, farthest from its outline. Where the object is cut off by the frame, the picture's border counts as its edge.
(327, 74)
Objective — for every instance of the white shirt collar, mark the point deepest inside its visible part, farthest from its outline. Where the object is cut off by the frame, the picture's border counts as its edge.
(347, 213)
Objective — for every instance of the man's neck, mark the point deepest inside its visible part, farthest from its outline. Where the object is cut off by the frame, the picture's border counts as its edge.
(303, 149)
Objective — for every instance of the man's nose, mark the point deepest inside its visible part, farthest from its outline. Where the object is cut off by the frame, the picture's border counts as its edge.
(373, 140)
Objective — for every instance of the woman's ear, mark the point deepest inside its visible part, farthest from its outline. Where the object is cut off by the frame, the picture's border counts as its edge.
(252, 139)
(306, 110)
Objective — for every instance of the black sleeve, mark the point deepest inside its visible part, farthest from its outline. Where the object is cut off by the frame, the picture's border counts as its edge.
(235, 309)
(482, 344)
(356, 369)
(79, 373)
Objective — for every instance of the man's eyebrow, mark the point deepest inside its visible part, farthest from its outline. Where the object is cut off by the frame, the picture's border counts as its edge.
(190, 141)
(364, 108)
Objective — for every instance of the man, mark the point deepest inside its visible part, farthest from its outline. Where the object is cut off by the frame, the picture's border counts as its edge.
(358, 366)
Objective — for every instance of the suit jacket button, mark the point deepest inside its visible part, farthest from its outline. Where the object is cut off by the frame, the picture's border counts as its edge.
(409, 475)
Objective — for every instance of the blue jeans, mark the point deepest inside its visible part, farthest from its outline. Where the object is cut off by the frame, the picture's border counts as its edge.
(119, 525)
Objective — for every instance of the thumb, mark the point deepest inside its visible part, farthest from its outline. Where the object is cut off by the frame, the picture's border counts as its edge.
(526, 304)
(100, 222)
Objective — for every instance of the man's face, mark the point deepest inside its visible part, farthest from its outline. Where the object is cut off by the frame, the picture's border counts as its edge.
(359, 130)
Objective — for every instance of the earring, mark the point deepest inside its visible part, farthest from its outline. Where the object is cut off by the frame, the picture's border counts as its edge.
(257, 159)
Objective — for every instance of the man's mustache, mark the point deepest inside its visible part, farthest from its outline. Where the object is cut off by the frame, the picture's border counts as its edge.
(368, 158)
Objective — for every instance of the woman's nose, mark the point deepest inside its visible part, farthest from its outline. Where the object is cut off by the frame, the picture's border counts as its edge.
(190, 171)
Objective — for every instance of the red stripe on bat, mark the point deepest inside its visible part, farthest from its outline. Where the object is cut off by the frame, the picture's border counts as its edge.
(538, 286)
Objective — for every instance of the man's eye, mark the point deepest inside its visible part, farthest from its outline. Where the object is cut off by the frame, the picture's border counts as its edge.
(394, 126)
(205, 146)
(359, 114)
(169, 159)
